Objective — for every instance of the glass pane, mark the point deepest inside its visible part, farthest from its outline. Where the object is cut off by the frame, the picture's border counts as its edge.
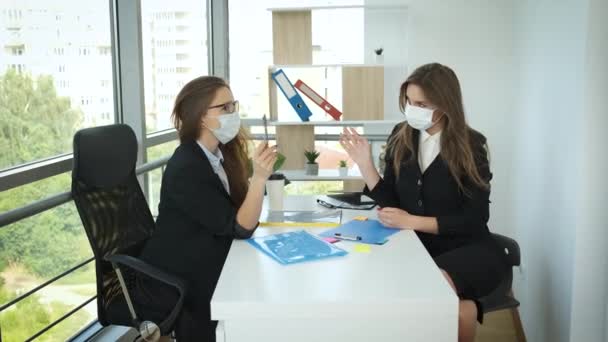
(45, 49)
(312, 188)
(26, 194)
(155, 176)
(73, 324)
(260, 130)
(174, 52)
(31, 252)
(39, 310)
(331, 155)
(250, 55)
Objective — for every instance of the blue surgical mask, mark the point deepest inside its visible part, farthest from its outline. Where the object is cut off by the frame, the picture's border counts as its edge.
(229, 127)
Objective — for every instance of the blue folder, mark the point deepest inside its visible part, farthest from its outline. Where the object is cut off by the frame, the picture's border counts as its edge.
(368, 231)
(291, 94)
(295, 247)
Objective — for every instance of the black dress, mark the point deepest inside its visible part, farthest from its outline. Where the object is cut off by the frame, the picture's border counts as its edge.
(463, 247)
(195, 227)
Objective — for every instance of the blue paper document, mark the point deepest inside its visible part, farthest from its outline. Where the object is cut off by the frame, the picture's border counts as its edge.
(294, 247)
(368, 231)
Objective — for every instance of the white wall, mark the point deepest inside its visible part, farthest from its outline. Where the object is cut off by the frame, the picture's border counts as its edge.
(534, 78)
(475, 38)
(546, 170)
(590, 285)
(560, 196)
(386, 27)
(533, 74)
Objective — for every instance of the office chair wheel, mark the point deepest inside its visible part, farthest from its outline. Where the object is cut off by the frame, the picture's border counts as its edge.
(149, 331)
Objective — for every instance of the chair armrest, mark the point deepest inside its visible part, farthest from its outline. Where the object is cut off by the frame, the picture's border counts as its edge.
(159, 275)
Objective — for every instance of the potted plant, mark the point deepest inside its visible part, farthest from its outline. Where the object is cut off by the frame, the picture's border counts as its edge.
(312, 168)
(379, 57)
(343, 168)
(277, 165)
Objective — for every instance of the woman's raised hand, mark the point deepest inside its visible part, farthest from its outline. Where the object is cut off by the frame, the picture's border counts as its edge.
(263, 160)
(356, 146)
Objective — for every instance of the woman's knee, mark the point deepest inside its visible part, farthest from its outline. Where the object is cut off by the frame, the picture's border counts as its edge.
(467, 311)
(449, 279)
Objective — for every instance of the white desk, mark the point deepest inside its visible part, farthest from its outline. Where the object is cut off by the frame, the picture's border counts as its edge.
(394, 293)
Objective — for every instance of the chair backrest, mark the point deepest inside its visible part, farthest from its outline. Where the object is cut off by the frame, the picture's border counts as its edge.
(510, 249)
(500, 298)
(111, 205)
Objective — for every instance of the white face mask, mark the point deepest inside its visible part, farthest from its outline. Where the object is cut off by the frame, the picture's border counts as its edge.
(419, 118)
(229, 127)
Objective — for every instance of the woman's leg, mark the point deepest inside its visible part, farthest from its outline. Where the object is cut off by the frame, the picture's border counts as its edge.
(467, 321)
(467, 315)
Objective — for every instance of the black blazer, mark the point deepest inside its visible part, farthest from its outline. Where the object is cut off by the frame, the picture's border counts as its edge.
(195, 226)
(462, 218)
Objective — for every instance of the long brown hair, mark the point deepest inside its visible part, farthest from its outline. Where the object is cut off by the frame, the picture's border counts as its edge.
(191, 106)
(441, 87)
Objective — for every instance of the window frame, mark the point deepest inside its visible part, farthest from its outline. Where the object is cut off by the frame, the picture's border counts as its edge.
(127, 69)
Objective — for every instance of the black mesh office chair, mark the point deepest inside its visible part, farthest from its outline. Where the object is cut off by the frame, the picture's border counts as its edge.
(502, 298)
(117, 220)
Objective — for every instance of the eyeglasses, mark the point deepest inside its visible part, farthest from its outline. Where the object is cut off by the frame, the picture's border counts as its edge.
(228, 107)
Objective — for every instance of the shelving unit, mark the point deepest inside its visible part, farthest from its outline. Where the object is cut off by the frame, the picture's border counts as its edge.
(356, 89)
(362, 93)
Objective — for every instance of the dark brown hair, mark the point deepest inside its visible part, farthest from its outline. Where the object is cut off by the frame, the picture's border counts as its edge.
(191, 106)
(441, 87)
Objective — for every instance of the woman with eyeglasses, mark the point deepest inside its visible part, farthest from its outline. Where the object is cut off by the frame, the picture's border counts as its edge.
(437, 183)
(206, 201)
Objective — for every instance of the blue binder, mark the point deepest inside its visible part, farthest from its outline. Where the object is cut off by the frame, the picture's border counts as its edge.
(368, 231)
(291, 94)
(295, 247)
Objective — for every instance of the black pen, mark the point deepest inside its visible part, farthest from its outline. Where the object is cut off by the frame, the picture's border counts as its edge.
(265, 127)
(346, 237)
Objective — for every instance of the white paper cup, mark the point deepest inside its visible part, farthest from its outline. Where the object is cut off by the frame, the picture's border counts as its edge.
(275, 190)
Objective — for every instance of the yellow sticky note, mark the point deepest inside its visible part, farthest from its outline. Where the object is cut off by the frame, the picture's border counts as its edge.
(360, 218)
(362, 248)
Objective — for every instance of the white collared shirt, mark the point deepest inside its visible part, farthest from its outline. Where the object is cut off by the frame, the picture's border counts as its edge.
(429, 147)
(216, 160)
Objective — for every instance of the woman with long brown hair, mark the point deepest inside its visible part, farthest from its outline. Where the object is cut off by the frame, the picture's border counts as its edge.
(437, 183)
(206, 201)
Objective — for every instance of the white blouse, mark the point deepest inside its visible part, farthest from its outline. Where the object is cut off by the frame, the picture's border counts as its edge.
(428, 149)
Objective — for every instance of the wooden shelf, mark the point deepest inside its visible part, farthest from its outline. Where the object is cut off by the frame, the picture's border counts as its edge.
(333, 7)
(324, 175)
(284, 66)
(311, 8)
(334, 123)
